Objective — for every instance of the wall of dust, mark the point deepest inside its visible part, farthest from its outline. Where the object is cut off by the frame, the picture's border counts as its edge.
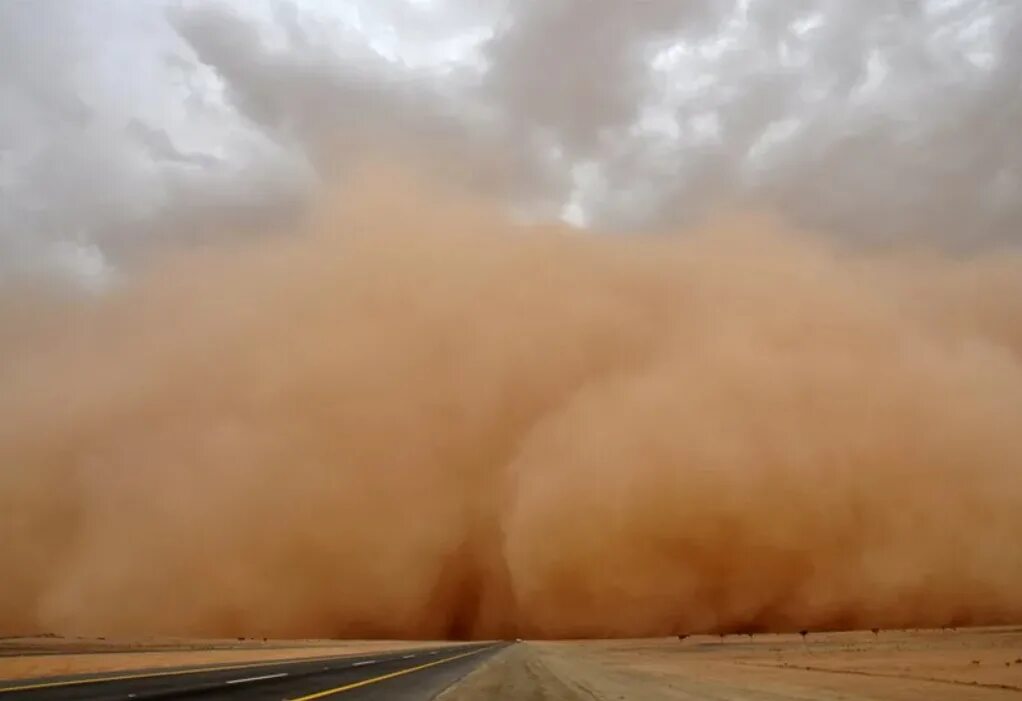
(419, 420)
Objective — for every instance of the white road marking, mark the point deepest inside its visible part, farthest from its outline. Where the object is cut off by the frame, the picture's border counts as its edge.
(256, 679)
(359, 664)
(407, 657)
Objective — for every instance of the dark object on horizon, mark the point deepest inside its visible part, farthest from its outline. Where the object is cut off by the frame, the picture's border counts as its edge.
(876, 631)
(803, 633)
(682, 637)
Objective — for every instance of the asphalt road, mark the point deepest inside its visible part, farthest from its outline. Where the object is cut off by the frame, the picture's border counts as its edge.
(386, 676)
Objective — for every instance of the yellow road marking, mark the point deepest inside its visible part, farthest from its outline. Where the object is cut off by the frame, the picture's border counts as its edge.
(175, 673)
(383, 677)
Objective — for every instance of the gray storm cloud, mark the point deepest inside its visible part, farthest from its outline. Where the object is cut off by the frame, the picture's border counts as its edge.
(877, 122)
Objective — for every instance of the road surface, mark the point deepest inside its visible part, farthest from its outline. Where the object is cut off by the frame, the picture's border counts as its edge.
(384, 676)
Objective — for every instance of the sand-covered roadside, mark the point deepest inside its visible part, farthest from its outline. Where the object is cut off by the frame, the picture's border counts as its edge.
(23, 658)
(963, 665)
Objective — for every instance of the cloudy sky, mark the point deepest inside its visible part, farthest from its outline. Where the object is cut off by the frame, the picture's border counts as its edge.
(127, 125)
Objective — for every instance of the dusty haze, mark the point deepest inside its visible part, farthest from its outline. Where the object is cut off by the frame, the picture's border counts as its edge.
(418, 420)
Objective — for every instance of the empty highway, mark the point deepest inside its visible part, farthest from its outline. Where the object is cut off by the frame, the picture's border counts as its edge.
(391, 676)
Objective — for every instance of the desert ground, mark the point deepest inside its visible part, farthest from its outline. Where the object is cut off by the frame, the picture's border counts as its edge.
(926, 665)
(978, 664)
(46, 656)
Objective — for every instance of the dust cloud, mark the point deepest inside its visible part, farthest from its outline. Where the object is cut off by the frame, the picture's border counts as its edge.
(419, 420)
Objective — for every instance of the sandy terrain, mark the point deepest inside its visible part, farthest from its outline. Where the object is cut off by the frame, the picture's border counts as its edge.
(22, 658)
(976, 664)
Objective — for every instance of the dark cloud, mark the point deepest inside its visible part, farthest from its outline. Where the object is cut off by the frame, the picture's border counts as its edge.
(578, 67)
(879, 121)
(342, 103)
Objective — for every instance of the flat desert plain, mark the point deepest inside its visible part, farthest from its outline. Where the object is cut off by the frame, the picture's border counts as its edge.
(981, 664)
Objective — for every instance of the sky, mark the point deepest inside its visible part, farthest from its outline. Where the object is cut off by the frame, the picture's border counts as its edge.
(752, 362)
(130, 126)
